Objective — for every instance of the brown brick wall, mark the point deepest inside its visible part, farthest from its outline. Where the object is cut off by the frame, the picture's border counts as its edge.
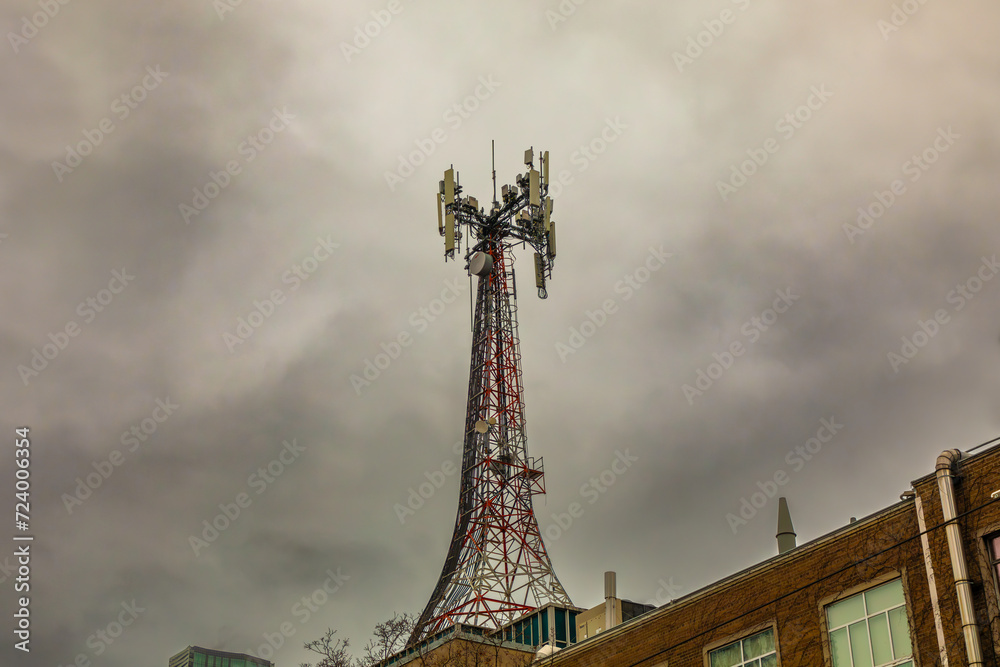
(975, 480)
(788, 592)
(462, 652)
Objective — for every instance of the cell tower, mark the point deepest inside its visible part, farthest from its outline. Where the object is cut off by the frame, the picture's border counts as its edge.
(497, 568)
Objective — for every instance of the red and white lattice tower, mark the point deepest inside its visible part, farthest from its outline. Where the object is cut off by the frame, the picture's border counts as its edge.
(497, 568)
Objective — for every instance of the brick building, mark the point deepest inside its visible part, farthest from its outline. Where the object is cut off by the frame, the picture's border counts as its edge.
(879, 591)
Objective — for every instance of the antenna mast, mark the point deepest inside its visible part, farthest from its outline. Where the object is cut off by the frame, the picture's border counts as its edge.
(497, 568)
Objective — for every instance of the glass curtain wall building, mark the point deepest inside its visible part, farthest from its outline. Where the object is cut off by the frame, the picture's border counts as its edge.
(194, 656)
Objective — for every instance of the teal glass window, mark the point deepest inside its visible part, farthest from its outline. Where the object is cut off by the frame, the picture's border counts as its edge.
(870, 629)
(754, 651)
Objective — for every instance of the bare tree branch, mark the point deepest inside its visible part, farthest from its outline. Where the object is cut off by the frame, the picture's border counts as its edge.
(389, 637)
(333, 651)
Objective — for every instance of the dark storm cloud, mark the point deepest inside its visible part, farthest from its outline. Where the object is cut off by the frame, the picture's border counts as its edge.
(302, 251)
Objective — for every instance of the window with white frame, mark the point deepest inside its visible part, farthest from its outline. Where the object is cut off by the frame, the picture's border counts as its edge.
(753, 651)
(870, 629)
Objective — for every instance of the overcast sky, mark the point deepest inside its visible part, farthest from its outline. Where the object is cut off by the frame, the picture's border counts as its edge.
(170, 168)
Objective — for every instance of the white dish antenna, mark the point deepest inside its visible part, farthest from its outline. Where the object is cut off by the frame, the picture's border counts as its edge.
(480, 264)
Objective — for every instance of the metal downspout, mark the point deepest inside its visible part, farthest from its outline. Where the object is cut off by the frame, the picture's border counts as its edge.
(945, 473)
(931, 580)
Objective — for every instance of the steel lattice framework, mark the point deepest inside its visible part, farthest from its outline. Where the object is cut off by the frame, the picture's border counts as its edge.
(497, 567)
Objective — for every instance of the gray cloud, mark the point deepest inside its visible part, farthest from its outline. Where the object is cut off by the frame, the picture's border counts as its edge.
(323, 177)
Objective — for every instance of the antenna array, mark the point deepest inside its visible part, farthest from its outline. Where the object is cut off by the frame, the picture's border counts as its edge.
(523, 216)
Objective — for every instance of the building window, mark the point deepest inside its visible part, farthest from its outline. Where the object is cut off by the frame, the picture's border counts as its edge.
(870, 629)
(754, 651)
(994, 543)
